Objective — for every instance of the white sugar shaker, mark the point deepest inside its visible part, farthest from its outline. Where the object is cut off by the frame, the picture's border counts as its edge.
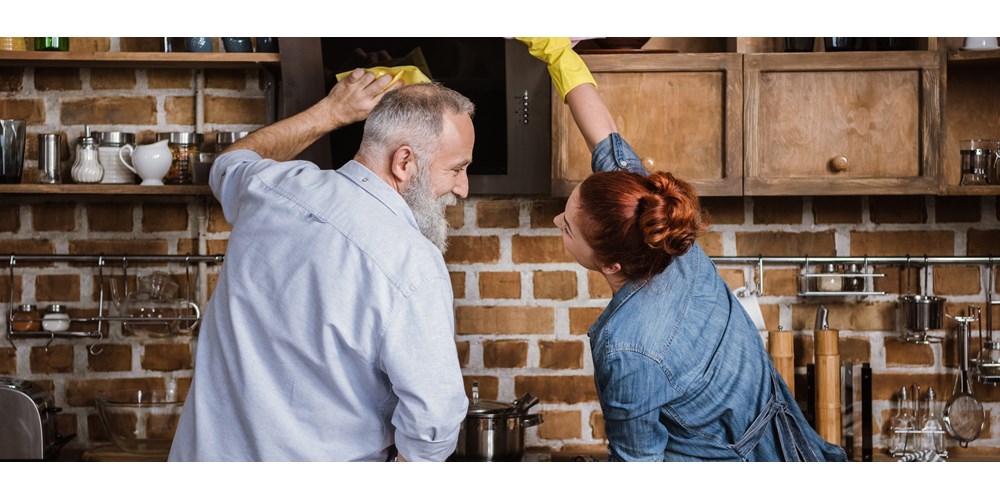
(87, 168)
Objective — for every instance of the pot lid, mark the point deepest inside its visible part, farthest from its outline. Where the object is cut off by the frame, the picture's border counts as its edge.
(485, 406)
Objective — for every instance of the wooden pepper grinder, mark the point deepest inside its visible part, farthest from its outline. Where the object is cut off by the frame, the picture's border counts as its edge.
(781, 346)
(827, 351)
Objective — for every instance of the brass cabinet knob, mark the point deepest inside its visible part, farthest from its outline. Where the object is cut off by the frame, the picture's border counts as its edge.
(838, 163)
(649, 164)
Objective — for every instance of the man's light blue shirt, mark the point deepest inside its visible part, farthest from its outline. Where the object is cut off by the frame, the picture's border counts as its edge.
(330, 334)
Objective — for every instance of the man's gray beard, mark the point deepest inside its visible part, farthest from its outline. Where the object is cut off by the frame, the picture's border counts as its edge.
(428, 209)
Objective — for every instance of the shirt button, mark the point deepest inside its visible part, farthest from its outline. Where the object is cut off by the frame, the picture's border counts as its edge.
(622, 163)
(364, 179)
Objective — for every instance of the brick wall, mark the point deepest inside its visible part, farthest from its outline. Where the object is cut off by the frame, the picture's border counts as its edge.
(522, 305)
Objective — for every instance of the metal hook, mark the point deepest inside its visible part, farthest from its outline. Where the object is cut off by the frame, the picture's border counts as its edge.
(187, 274)
(925, 289)
(100, 338)
(10, 311)
(759, 284)
(52, 337)
(907, 271)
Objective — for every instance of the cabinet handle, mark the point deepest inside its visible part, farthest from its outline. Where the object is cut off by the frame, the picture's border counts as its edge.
(649, 164)
(838, 163)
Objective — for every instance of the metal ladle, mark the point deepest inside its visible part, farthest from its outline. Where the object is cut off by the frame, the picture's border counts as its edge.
(964, 417)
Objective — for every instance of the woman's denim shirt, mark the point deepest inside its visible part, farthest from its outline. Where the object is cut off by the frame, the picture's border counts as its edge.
(681, 370)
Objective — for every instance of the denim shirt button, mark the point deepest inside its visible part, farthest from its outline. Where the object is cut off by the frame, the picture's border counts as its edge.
(623, 163)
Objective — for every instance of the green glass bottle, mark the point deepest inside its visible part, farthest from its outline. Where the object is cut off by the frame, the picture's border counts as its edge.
(51, 43)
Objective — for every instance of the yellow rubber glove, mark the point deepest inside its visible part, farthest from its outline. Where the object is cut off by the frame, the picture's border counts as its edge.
(408, 74)
(566, 68)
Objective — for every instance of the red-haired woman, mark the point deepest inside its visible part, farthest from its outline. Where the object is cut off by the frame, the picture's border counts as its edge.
(680, 368)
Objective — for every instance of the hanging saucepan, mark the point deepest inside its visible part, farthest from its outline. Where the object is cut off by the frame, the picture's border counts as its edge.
(921, 313)
(493, 431)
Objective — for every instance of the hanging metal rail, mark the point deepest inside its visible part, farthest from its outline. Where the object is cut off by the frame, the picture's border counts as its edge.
(101, 261)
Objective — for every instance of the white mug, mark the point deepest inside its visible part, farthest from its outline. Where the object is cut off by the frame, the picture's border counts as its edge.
(149, 161)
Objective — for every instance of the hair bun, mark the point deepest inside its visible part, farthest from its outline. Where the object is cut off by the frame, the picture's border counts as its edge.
(670, 214)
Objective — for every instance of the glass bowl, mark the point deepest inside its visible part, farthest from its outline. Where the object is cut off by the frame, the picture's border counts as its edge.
(140, 421)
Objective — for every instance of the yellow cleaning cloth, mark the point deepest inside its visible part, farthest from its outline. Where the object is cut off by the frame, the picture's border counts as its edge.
(566, 68)
(406, 74)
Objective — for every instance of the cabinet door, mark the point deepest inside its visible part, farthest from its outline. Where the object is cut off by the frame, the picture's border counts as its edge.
(857, 123)
(681, 112)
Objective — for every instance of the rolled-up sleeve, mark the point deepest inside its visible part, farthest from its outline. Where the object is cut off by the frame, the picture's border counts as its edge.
(614, 153)
(232, 173)
(419, 356)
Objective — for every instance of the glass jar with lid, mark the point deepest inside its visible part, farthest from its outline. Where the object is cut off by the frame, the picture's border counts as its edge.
(56, 318)
(829, 279)
(26, 318)
(185, 147)
(855, 282)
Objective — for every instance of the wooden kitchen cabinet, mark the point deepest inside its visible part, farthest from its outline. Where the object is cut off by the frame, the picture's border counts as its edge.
(858, 123)
(972, 111)
(682, 113)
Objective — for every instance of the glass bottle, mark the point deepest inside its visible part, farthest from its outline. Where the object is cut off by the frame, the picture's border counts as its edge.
(87, 167)
(52, 43)
(26, 318)
(56, 319)
(902, 425)
(932, 426)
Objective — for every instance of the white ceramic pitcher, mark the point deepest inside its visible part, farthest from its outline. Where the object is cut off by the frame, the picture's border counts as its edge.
(151, 162)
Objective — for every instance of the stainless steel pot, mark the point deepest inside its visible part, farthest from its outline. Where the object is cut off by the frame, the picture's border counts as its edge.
(493, 431)
(922, 312)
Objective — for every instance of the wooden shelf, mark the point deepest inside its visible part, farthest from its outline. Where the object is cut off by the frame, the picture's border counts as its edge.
(970, 190)
(974, 58)
(221, 60)
(105, 189)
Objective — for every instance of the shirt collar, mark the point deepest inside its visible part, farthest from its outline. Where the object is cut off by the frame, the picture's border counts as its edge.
(375, 186)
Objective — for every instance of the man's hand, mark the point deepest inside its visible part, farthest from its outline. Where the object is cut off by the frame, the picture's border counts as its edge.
(353, 98)
(349, 101)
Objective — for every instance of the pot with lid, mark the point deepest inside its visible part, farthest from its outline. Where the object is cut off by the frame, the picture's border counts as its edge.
(493, 431)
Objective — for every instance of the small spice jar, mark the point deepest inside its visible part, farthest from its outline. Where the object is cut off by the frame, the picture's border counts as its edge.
(185, 147)
(26, 318)
(829, 283)
(56, 319)
(853, 283)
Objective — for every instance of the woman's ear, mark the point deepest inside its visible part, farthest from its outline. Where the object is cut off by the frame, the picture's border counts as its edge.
(611, 269)
(403, 164)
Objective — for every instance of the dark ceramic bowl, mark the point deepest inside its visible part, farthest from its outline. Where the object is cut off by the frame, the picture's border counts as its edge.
(622, 43)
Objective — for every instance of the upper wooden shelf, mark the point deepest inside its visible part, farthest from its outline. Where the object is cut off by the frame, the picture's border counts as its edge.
(974, 58)
(105, 189)
(221, 60)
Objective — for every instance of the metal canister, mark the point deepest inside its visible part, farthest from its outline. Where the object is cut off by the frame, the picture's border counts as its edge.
(185, 147)
(49, 164)
(206, 158)
(225, 139)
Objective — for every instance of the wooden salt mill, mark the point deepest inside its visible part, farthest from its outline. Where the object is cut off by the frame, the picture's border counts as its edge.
(827, 351)
(781, 346)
